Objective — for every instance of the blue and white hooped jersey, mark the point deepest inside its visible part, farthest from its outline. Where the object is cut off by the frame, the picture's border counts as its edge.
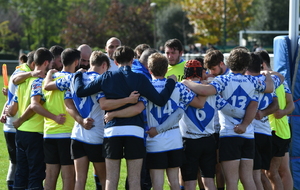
(8, 126)
(264, 100)
(88, 107)
(238, 90)
(170, 139)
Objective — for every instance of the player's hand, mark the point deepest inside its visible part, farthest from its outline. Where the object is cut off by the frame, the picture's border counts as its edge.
(134, 97)
(152, 132)
(259, 115)
(60, 119)
(173, 77)
(240, 129)
(3, 118)
(279, 114)
(4, 91)
(88, 123)
(17, 123)
(39, 74)
(108, 116)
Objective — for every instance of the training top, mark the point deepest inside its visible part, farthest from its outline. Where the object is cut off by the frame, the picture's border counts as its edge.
(8, 126)
(281, 126)
(177, 70)
(119, 84)
(170, 139)
(238, 90)
(55, 104)
(31, 87)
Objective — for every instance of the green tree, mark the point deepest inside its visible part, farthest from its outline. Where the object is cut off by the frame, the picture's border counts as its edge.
(269, 15)
(6, 35)
(208, 18)
(172, 22)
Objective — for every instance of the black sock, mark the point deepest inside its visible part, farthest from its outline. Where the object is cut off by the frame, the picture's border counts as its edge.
(10, 185)
(221, 188)
(98, 184)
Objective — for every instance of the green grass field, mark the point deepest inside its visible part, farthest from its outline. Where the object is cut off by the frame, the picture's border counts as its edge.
(90, 181)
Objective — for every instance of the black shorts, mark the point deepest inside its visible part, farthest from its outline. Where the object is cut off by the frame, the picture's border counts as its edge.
(199, 153)
(280, 146)
(128, 147)
(236, 148)
(81, 149)
(11, 146)
(164, 160)
(217, 140)
(57, 151)
(263, 152)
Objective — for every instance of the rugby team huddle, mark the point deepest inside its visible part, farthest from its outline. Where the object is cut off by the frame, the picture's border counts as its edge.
(201, 121)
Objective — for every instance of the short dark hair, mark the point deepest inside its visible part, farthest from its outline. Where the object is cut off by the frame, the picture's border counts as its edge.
(145, 55)
(41, 55)
(158, 64)
(30, 58)
(98, 58)
(138, 50)
(174, 44)
(56, 50)
(23, 58)
(264, 55)
(255, 64)
(69, 55)
(213, 58)
(123, 54)
(239, 59)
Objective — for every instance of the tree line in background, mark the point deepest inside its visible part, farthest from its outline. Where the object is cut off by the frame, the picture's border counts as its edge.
(34, 23)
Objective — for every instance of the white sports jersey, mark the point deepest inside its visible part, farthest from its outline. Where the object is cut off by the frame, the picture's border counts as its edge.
(88, 107)
(264, 100)
(8, 126)
(238, 90)
(170, 139)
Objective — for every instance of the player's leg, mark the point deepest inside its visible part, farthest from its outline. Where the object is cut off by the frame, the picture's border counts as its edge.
(257, 179)
(220, 180)
(157, 178)
(273, 174)
(285, 172)
(52, 163)
(67, 164)
(231, 173)
(246, 174)
(81, 169)
(100, 171)
(265, 180)
(11, 147)
(173, 179)
(112, 174)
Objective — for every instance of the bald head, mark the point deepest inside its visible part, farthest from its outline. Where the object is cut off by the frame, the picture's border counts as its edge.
(111, 46)
(86, 52)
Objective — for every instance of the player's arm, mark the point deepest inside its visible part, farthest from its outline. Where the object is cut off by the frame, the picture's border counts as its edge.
(86, 123)
(49, 84)
(269, 84)
(22, 76)
(111, 104)
(273, 107)
(249, 116)
(167, 124)
(126, 112)
(28, 113)
(289, 108)
(200, 89)
(12, 109)
(151, 93)
(37, 107)
(82, 90)
(198, 101)
(4, 113)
